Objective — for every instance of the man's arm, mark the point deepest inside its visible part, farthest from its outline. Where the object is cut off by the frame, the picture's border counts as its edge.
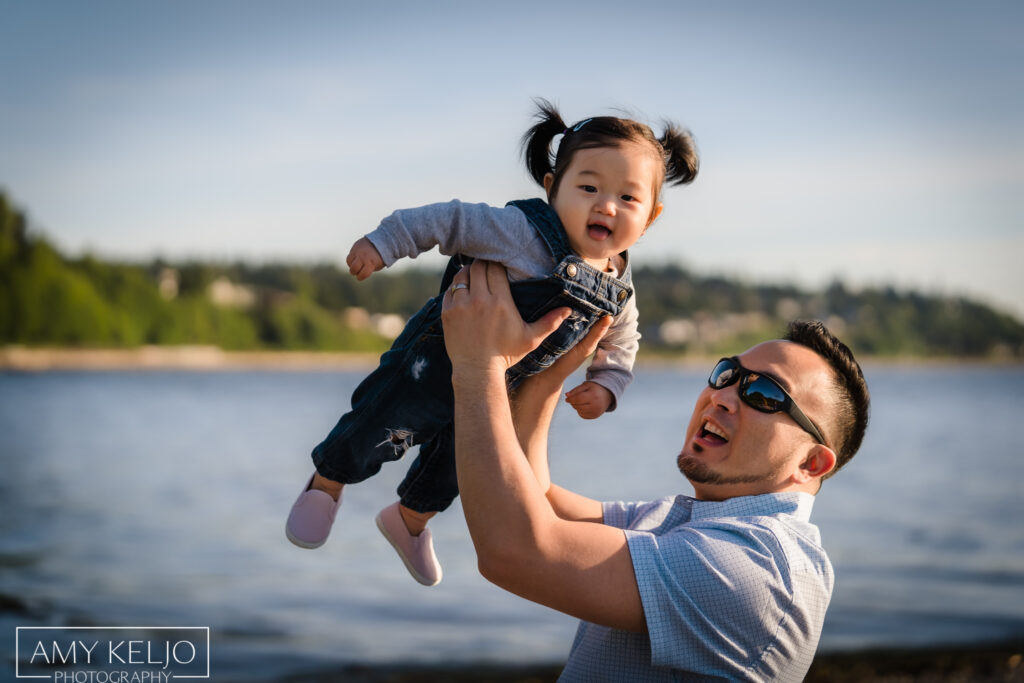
(580, 568)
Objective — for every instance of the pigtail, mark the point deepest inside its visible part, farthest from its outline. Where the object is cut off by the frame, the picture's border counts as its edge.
(681, 160)
(537, 141)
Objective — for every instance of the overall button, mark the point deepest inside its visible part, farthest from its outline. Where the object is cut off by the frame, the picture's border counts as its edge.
(570, 270)
(622, 295)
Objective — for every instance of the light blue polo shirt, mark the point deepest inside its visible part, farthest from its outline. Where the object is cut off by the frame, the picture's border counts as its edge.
(733, 590)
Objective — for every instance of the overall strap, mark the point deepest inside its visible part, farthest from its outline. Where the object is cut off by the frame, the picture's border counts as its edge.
(547, 223)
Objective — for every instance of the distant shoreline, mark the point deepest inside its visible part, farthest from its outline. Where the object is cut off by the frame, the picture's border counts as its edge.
(177, 358)
(212, 358)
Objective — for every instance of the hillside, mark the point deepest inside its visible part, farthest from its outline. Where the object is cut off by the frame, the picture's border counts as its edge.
(50, 299)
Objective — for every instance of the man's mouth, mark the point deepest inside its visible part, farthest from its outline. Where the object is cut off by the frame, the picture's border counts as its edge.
(598, 232)
(713, 434)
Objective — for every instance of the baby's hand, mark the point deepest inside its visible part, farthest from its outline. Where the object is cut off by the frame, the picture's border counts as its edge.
(590, 400)
(363, 259)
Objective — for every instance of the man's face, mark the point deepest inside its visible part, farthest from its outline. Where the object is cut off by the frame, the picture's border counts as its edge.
(731, 449)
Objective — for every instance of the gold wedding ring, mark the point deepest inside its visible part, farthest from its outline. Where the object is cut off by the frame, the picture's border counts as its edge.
(456, 286)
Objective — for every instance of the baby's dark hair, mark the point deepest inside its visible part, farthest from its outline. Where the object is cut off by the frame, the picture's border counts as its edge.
(675, 147)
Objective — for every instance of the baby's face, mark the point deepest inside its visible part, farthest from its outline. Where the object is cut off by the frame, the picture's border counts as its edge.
(606, 200)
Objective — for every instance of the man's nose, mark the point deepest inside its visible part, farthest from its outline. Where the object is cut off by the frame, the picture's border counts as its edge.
(728, 398)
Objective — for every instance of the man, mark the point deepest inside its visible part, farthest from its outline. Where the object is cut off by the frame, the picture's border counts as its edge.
(731, 584)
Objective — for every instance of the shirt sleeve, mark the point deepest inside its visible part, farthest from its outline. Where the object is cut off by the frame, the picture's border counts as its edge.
(612, 366)
(617, 514)
(713, 598)
(455, 227)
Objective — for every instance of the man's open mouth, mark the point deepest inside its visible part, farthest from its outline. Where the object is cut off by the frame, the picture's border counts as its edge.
(713, 433)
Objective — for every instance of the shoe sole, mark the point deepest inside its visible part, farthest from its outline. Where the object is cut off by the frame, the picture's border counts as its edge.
(408, 565)
(302, 544)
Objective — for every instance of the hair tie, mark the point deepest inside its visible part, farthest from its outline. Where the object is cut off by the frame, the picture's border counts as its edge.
(576, 128)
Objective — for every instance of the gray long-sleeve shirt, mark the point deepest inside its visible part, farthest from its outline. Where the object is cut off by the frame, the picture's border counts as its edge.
(504, 235)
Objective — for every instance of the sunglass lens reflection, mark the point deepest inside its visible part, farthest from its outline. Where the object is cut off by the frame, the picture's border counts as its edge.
(722, 375)
(763, 394)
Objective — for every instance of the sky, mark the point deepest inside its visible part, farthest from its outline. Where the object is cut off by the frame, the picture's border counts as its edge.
(878, 143)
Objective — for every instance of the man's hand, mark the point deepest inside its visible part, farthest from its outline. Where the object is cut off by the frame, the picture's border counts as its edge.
(482, 326)
(590, 399)
(363, 259)
(553, 377)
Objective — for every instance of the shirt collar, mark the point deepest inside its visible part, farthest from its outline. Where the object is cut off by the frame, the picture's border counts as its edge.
(796, 504)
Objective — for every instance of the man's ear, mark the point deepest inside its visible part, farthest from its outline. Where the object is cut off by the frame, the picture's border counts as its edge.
(819, 461)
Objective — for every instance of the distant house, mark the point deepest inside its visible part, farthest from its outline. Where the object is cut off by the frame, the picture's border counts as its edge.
(224, 292)
(167, 283)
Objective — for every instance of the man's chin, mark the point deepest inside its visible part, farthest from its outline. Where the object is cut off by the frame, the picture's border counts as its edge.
(699, 472)
(696, 471)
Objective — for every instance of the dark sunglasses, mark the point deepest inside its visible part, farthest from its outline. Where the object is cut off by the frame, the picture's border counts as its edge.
(760, 392)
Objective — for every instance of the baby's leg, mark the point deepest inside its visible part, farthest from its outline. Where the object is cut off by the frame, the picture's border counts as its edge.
(429, 487)
(405, 400)
(431, 484)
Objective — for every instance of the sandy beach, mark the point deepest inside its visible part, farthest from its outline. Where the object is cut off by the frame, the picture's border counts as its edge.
(30, 359)
(211, 358)
(964, 664)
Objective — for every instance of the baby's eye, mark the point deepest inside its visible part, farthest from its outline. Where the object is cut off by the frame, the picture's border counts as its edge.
(628, 198)
(588, 188)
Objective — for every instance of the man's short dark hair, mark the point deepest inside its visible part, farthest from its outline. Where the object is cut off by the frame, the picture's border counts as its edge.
(852, 401)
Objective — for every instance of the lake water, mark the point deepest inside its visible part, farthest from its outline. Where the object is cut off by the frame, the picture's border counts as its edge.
(160, 498)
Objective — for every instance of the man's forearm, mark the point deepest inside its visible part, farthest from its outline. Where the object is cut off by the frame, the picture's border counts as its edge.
(521, 543)
(501, 495)
(533, 406)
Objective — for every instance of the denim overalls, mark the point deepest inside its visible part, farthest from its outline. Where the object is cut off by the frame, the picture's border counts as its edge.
(408, 399)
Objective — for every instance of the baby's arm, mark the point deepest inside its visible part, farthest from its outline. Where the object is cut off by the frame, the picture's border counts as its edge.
(410, 232)
(363, 259)
(476, 230)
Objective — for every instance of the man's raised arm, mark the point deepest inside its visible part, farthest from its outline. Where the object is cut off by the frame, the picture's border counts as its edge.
(580, 568)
